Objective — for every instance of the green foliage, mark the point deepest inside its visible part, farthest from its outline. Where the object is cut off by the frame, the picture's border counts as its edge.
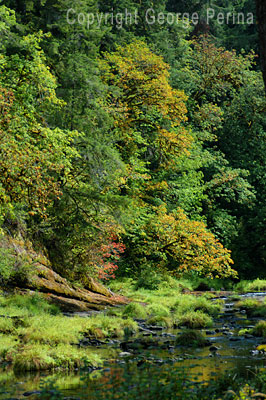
(194, 320)
(34, 304)
(135, 310)
(160, 320)
(148, 278)
(259, 329)
(158, 310)
(258, 285)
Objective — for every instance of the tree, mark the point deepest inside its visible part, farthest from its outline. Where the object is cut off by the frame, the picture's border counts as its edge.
(35, 158)
(261, 17)
(149, 123)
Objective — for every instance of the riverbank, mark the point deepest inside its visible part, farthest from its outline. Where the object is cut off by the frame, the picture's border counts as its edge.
(36, 335)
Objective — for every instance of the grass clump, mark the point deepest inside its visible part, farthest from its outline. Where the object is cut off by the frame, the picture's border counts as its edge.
(135, 310)
(185, 303)
(33, 358)
(259, 329)
(192, 338)
(6, 325)
(258, 285)
(101, 326)
(160, 320)
(36, 357)
(71, 357)
(8, 346)
(254, 308)
(52, 330)
(158, 310)
(194, 320)
(31, 304)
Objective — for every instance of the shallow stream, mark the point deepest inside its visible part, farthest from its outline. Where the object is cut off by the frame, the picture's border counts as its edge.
(232, 351)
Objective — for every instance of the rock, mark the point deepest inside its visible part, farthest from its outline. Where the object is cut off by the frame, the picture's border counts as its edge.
(124, 354)
(249, 336)
(30, 393)
(155, 327)
(213, 348)
(235, 339)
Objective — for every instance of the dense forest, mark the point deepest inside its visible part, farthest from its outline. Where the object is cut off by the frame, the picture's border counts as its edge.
(130, 143)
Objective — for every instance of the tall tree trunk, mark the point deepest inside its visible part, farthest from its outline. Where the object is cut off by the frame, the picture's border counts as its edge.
(261, 20)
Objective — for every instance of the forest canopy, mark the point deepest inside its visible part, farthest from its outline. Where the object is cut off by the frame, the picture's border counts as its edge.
(130, 147)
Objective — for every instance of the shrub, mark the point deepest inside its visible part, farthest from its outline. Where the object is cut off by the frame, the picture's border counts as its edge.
(258, 285)
(148, 278)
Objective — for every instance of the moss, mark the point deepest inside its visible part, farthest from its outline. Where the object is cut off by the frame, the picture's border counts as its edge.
(192, 338)
(135, 310)
(244, 331)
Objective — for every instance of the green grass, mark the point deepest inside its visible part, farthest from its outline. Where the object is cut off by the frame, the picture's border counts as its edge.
(40, 340)
(8, 346)
(167, 306)
(135, 310)
(259, 329)
(194, 320)
(107, 326)
(258, 285)
(160, 320)
(253, 307)
(158, 310)
(186, 303)
(42, 357)
(7, 325)
(34, 304)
